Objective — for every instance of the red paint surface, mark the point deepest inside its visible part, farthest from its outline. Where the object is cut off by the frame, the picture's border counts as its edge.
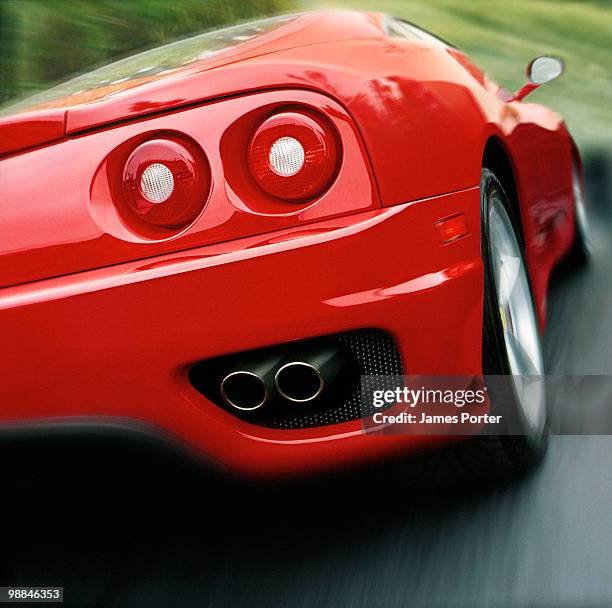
(31, 129)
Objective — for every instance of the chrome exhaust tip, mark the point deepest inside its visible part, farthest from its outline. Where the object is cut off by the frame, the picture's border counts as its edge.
(304, 379)
(299, 382)
(244, 391)
(250, 385)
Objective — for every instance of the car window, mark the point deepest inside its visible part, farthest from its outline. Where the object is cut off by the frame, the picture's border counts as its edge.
(399, 28)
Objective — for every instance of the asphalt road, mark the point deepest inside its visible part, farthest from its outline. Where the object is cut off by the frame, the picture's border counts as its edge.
(122, 526)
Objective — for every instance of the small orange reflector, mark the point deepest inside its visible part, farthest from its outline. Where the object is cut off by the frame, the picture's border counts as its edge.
(452, 228)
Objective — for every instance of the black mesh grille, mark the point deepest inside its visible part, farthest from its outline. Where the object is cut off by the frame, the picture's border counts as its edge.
(374, 353)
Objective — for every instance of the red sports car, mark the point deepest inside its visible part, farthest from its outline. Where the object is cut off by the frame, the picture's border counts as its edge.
(218, 238)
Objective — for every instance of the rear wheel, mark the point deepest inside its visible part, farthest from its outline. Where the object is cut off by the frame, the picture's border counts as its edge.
(511, 343)
(512, 353)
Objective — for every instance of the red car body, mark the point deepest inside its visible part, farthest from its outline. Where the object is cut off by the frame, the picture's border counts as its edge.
(101, 322)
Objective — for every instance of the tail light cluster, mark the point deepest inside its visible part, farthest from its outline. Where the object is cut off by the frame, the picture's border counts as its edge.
(294, 155)
(166, 182)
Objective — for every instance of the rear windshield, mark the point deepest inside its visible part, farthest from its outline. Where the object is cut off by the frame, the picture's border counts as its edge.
(154, 62)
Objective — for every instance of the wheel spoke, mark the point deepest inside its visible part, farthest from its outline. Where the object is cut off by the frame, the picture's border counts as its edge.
(509, 269)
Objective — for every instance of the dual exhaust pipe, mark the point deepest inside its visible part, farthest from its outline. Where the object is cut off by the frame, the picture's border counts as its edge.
(301, 377)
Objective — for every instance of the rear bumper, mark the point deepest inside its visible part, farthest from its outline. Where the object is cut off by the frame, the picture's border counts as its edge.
(118, 342)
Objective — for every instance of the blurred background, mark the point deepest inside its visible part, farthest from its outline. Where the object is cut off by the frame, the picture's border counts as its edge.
(46, 41)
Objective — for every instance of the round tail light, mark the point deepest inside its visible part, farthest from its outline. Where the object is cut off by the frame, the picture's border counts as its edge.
(294, 155)
(166, 182)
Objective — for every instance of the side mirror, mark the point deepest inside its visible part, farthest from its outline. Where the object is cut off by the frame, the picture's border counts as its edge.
(544, 69)
(540, 71)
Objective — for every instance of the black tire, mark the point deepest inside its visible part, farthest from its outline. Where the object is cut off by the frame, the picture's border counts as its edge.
(489, 457)
(582, 248)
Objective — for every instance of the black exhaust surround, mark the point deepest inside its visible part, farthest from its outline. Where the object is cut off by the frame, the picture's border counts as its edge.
(371, 352)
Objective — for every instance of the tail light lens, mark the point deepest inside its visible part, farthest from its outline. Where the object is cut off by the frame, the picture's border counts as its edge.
(294, 156)
(166, 182)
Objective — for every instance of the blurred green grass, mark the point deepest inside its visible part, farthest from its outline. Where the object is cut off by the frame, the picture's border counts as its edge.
(503, 36)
